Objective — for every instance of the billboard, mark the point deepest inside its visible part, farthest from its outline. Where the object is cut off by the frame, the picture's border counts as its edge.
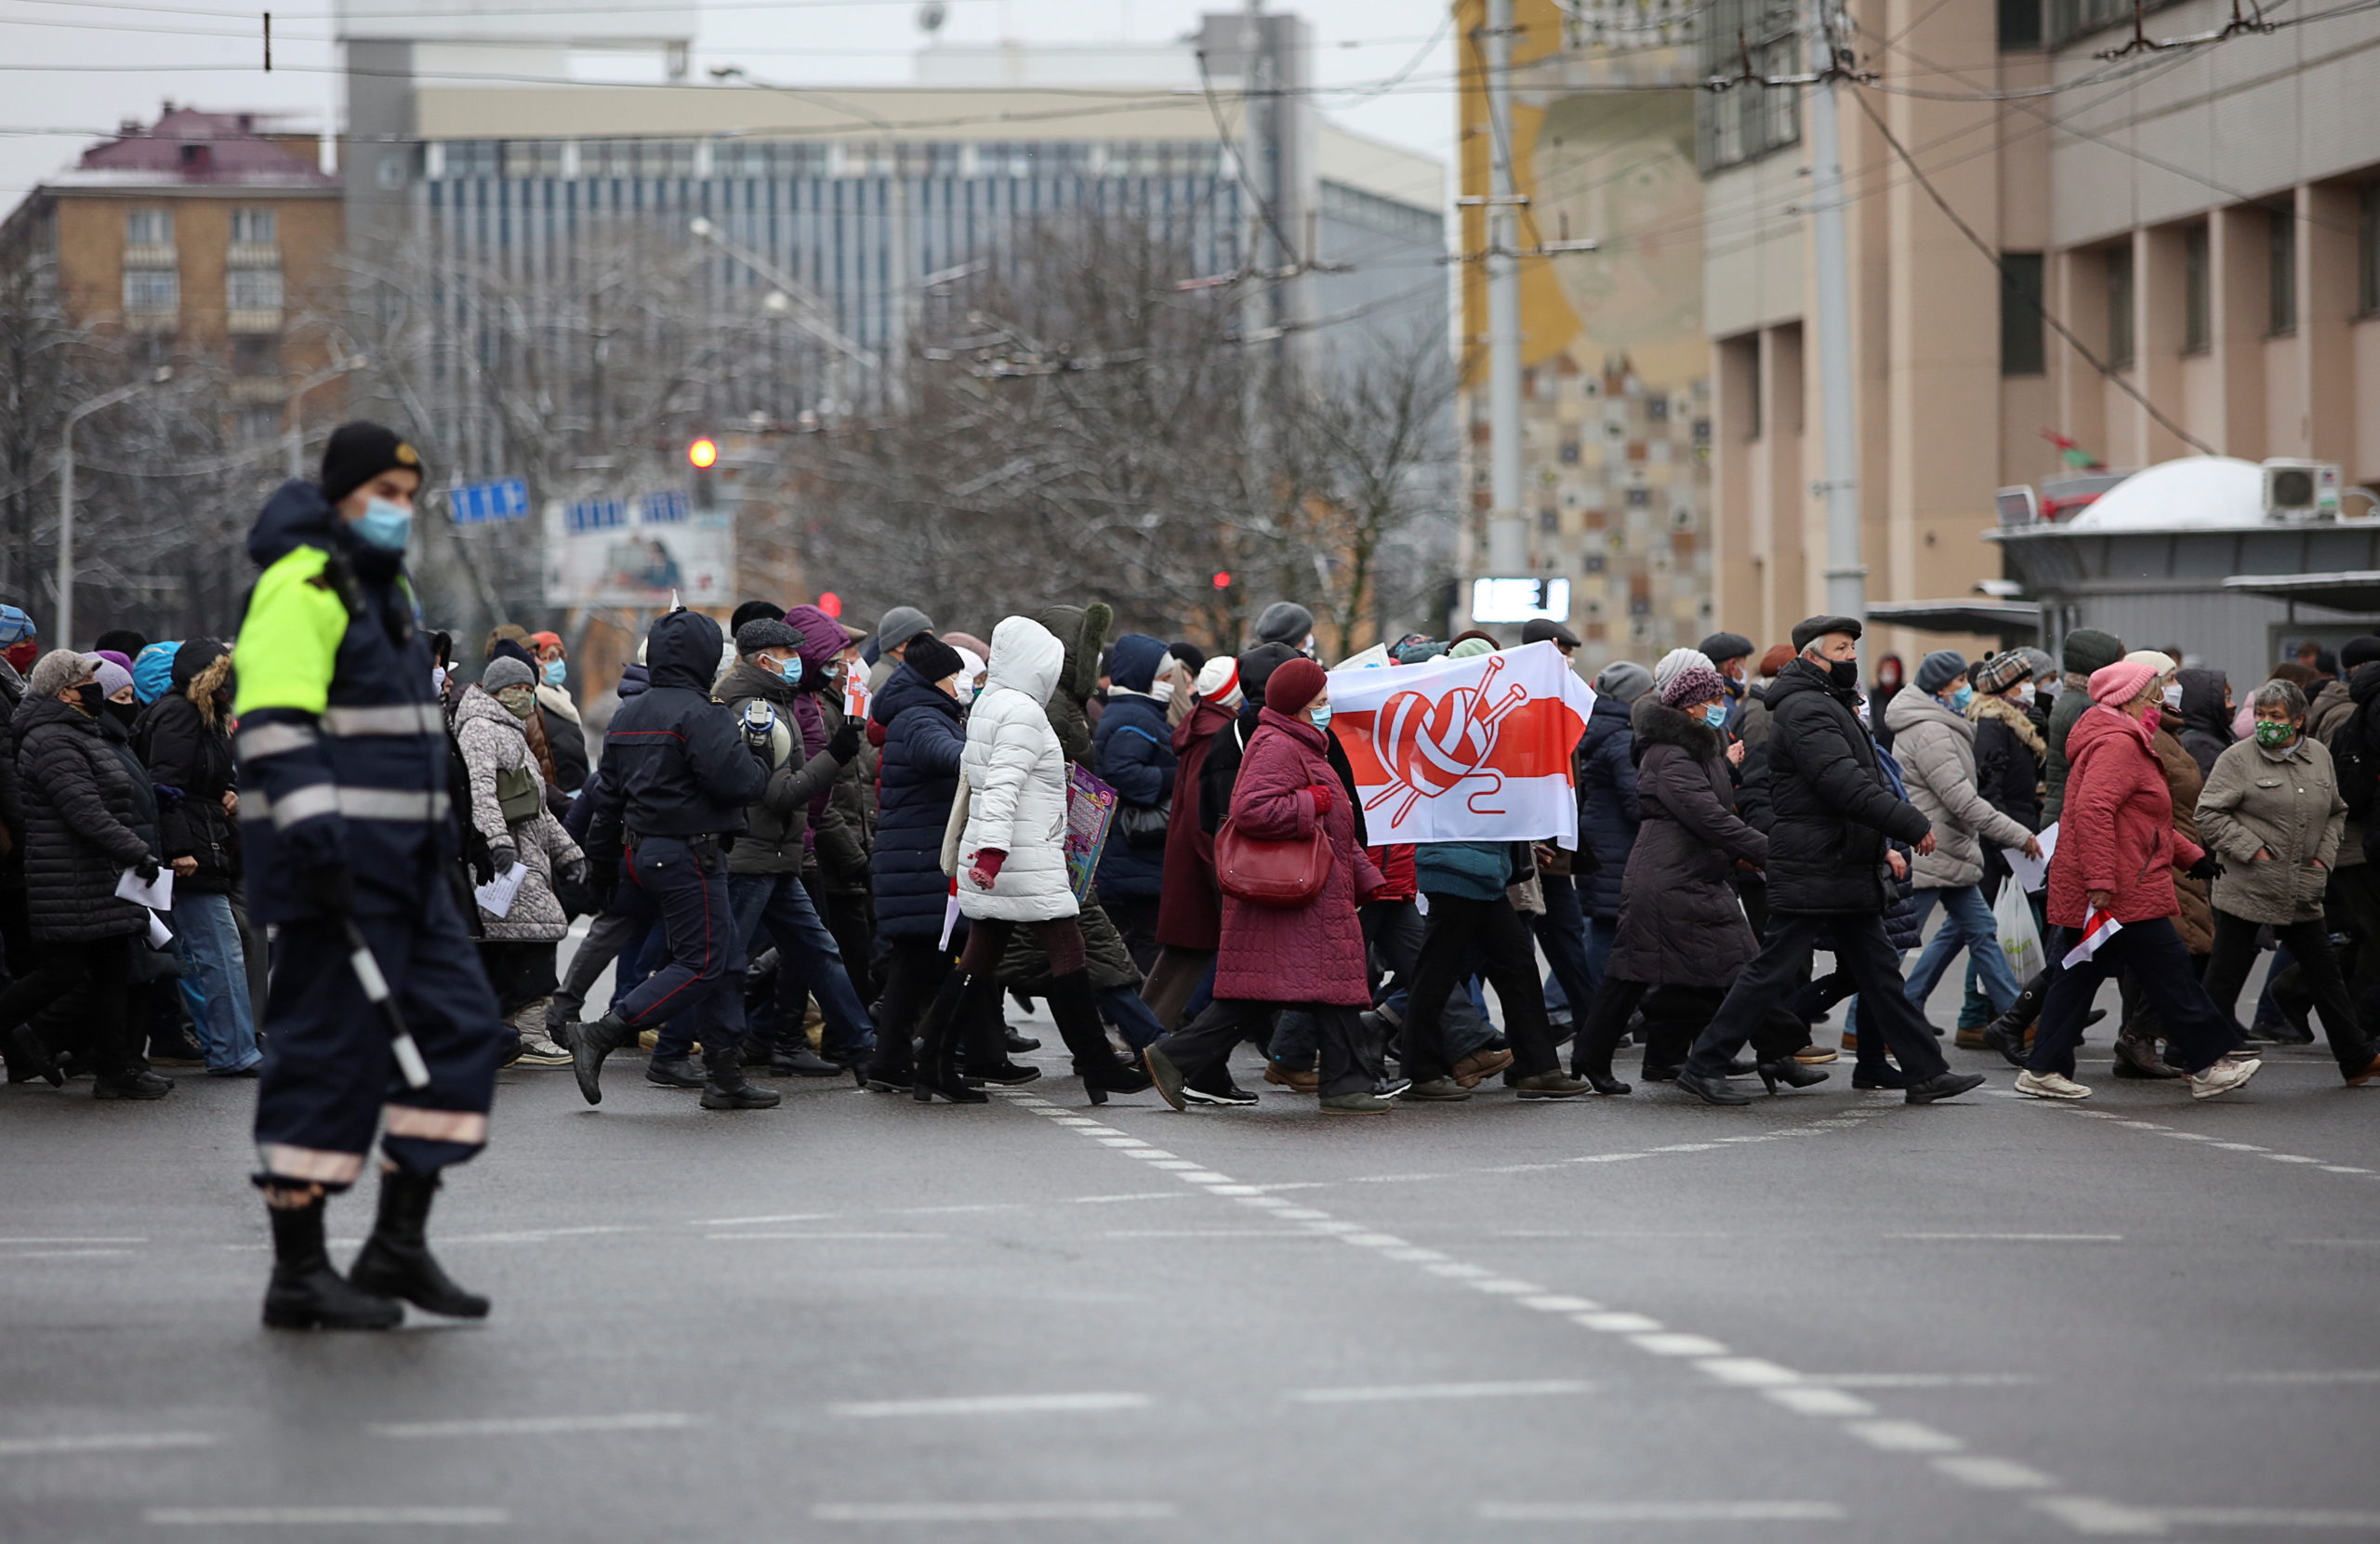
(638, 552)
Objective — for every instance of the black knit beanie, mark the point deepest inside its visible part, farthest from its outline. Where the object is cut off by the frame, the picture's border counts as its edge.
(931, 658)
(360, 452)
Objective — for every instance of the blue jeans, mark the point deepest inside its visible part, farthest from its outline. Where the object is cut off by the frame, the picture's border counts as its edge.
(807, 955)
(207, 940)
(1967, 923)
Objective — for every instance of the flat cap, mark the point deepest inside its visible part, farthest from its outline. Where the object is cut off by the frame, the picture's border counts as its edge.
(1818, 627)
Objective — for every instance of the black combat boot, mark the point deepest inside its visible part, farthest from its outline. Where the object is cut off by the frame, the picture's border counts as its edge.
(726, 1087)
(591, 1045)
(396, 1262)
(306, 1293)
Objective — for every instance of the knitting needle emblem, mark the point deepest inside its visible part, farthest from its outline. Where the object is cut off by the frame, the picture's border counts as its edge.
(1431, 744)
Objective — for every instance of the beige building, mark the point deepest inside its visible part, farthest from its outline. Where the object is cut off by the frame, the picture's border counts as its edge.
(2204, 219)
(1616, 394)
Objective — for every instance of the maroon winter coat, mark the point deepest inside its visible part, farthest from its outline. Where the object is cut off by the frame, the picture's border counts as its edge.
(2116, 832)
(1316, 953)
(1189, 907)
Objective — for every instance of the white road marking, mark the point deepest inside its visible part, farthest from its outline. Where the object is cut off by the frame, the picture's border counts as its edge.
(1619, 1323)
(1986, 1473)
(2093, 1515)
(989, 1404)
(1673, 1343)
(1803, 1400)
(536, 1426)
(1302, 1214)
(75, 1254)
(751, 1221)
(119, 1442)
(1747, 1372)
(1389, 1393)
(1660, 1511)
(1198, 1176)
(1182, 1164)
(1903, 1436)
(1372, 1240)
(994, 1511)
(1553, 1302)
(12, 1243)
(2270, 1517)
(1507, 1286)
(331, 1517)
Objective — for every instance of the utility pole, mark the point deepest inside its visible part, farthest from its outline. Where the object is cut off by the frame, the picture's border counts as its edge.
(1255, 304)
(1507, 533)
(1847, 573)
(64, 637)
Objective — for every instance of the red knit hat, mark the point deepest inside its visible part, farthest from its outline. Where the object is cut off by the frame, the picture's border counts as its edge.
(1294, 685)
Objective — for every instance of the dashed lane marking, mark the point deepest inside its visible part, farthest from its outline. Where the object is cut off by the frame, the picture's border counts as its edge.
(330, 1517)
(989, 1404)
(120, 1442)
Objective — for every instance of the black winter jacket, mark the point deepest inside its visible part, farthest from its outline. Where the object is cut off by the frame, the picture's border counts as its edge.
(1608, 812)
(2007, 765)
(1132, 751)
(190, 761)
(917, 781)
(1683, 925)
(81, 825)
(1831, 805)
(2206, 724)
(674, 762)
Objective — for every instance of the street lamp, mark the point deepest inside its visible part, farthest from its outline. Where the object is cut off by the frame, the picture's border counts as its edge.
(66, 494)
(293, 433)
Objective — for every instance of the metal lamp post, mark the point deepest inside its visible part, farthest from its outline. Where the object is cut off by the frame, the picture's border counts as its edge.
(66, 494)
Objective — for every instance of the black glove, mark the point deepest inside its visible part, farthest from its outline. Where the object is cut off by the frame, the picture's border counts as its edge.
(844, 743)
(329, 887)
(574, 871)
(2207, 866)
(146, 868)
(502, 856)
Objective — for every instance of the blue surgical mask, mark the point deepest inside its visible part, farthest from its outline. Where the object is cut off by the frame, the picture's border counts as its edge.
(1715, 715)
(1322, 717)
(384, 525)
(555, 670)
(791, 670)
(1960, 699)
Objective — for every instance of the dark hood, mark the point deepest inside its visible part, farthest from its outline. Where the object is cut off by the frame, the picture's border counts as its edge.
(1609, 715)
(634, 679)
(1082, 631)
(2363, 685)
(296, 515)
(193, 657)
(1133, 663)
(2202, 702)
(682, 651)
(905, 689)
(822, 641)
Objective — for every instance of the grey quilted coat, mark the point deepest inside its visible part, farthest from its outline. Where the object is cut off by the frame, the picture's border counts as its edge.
(1936, 748)
(74, 798)
(493, 740)
(2285, 804)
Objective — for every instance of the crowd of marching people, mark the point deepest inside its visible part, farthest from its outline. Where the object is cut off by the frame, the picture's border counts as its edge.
(804, 849)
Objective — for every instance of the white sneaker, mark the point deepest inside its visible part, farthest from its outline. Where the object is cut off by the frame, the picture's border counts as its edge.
(2231, 1073)
(2050, 1085)
(536, 1050)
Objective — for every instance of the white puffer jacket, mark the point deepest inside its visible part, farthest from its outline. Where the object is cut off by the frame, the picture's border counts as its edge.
(1935, 749)
(1017, 781)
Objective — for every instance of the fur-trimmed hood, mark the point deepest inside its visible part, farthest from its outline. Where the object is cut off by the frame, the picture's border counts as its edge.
(1657, 723)
(2019, 722)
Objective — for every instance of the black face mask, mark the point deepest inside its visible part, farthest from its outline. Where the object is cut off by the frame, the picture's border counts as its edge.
(123, 713)
(1843, 672)
(89, 698)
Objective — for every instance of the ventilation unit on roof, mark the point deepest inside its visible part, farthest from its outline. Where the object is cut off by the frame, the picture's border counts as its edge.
(2300, 490)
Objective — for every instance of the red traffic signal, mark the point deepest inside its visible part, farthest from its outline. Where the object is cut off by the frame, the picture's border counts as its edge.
(1223, 579)
(831, 603)
(703, 454)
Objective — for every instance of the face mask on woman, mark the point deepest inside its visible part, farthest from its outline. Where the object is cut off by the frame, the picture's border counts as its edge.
(1322, 716)
(2174, 696)
(1961, 698)
(1715, 715)
(2273, 734)
(123, 713)
(557, 670)
(519, 701)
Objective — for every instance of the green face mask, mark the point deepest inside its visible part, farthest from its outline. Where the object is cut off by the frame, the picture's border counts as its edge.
(2273, 736)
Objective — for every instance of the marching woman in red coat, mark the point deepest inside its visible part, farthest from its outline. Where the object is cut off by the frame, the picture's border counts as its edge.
(1309, 956)
(2117, 854)
(1189, 908)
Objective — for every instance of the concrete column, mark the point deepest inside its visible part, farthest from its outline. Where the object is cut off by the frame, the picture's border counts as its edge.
(1743, 502)
(2161, 306)
(2326, 303)
(2237, 254)
(2078, 288)
(1796, 572)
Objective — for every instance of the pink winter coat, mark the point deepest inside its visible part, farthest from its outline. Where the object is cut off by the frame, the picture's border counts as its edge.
(2117, 831)
(1315, 954)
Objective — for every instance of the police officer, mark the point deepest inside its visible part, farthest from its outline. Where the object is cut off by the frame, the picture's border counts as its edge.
(344, 817)
(677, 776)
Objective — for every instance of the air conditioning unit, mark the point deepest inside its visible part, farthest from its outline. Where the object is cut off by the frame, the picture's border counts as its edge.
(2301, 491)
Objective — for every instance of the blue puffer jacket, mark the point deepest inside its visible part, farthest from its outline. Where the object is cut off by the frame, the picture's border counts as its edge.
(1133, 749)
(1607, 811)
(916, 779)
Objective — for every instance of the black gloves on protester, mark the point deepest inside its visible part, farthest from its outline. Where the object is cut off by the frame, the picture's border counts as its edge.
(148, 869)
(2207, 866)
(844, 743)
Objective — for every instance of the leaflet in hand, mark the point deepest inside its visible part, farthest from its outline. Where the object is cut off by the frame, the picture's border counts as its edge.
(157, 894)
(496, 896)
(2032, 873)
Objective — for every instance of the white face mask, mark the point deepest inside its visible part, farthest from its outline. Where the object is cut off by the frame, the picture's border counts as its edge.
(1162, 691)
(2174, 696)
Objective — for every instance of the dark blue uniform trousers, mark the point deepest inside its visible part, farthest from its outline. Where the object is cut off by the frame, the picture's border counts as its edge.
(330, 1075)
(699, 989)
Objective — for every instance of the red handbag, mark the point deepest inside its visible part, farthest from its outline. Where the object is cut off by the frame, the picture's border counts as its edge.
(1276, 874)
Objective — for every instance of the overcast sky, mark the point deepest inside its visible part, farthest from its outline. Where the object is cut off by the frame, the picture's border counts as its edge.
(71, 70)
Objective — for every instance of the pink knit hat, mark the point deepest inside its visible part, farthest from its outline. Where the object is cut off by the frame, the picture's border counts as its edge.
(2120, 682)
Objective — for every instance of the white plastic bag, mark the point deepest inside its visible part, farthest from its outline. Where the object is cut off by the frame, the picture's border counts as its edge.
(2020, 938)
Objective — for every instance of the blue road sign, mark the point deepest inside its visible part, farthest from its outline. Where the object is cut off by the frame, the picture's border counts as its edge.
(477, 503)
(666, 507)
(594, 514)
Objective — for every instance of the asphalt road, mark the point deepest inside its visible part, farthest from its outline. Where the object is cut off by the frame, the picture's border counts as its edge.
(1828, 1316)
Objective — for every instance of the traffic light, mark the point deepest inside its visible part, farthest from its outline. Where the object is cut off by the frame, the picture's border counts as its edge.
(1223, 579)
(703, 455)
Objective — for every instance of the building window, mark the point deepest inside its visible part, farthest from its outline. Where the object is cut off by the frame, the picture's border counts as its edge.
(1748, 120)
(256, 356)
(152, 292)
(2120, 307)
(149, 228)
(2070, 19)
(2367, 249)
(253, 289)
(533, 158)
(2280, 277)
(254, 228)
(2197, 284)
(2020, 23)
(2022, 349)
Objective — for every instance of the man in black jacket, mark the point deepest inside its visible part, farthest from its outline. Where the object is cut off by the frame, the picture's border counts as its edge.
(677, 776)
(1833, 811)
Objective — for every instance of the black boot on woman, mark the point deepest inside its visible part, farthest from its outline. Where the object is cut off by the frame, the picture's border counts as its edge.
(937, 1073)
(396, 1262)
(1103, 1073)
(306, 1293)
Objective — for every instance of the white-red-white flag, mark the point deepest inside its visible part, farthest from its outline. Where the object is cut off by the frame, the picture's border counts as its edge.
(2097, 928)
(1473, 749)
